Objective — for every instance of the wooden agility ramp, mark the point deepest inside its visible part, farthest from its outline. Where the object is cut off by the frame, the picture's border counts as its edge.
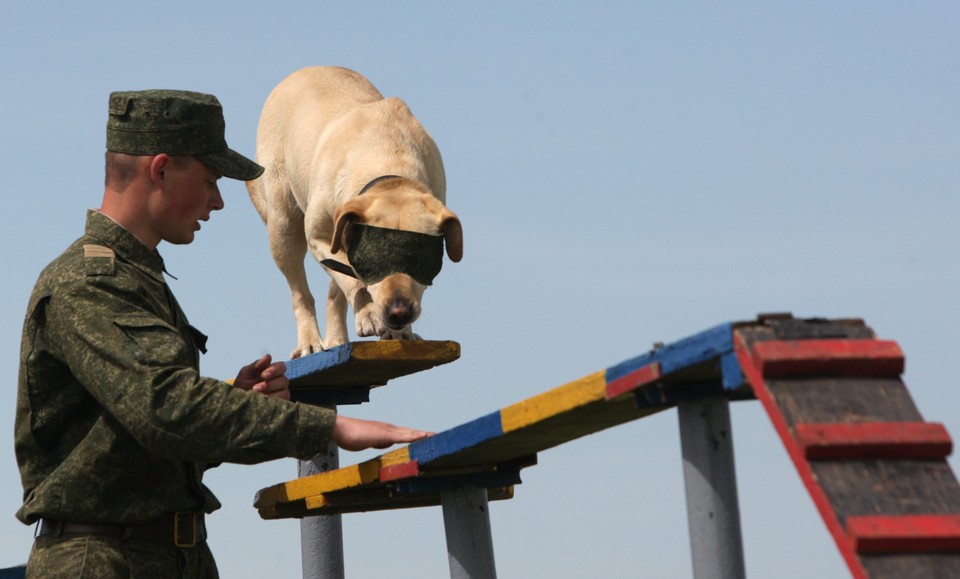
(875, 470)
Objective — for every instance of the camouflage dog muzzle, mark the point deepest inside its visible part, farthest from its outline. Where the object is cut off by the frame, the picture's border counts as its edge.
(376, 252)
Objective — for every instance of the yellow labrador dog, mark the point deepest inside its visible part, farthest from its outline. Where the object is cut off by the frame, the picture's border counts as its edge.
(357, 180)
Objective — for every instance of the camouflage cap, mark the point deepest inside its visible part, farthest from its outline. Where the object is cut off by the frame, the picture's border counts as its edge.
(175, 122)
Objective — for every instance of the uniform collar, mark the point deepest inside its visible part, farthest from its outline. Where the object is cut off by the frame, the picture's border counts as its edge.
(127, 247)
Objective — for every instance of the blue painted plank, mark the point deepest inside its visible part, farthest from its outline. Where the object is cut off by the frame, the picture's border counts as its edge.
(696, 349)
(732, 374)
(456, 439)
(319, 361)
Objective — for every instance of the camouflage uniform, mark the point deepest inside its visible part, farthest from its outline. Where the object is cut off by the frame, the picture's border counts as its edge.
(114, 424)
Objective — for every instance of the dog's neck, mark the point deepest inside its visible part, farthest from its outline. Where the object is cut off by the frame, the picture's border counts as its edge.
(379, 179)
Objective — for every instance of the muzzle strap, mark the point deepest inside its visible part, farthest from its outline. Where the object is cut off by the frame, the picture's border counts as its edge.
(338, 267)
(376, 252)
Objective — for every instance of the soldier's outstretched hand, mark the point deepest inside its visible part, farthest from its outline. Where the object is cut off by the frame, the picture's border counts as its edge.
(357, 434)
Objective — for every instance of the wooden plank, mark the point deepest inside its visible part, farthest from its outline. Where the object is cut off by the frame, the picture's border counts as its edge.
(364, 500)
(904, 534)
(873, 440)
(397, 456)
(544, 434)
(844, 490)
(317, 484)
(843, 399)
(588, 389)
(517, 432)
(400, 471)
(893, 487)
(456, 439)
(910, 565)
(368, 363)
(686, 354)
(633, 380)
(780, 358)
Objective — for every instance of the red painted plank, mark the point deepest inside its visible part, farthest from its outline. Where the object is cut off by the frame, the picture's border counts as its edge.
(633, 380)
(751, 371)
(400, 471)
(873, 440)
(904, 534)
(778, 359)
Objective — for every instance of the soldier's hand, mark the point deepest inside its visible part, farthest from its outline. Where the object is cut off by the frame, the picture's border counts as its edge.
(266, 378)
(356, 434)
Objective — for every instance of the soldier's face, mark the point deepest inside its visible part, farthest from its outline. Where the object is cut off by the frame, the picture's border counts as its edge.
(191, 194)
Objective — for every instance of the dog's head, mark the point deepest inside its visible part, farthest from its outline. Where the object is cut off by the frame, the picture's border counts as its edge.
(398, 239)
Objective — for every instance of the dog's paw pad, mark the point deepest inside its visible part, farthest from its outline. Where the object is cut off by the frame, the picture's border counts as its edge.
(305, 351)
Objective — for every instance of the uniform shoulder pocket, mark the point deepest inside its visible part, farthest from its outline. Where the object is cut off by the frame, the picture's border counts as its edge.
(99, 260)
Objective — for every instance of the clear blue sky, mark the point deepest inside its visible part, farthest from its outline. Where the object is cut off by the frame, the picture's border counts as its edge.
(626, 173)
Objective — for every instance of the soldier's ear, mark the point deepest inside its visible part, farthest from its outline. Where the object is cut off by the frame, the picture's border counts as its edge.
(159, 164)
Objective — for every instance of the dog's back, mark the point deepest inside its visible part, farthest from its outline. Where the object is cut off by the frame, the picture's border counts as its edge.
(294, 115)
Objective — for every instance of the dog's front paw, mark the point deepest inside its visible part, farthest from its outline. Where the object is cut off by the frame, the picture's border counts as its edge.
(368, 323)
(303, 350)
(308, 342)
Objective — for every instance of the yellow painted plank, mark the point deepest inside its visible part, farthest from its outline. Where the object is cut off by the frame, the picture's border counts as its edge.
(395, 457)
(406, 350)
(590, 388)
(334, 480)
(315, 502)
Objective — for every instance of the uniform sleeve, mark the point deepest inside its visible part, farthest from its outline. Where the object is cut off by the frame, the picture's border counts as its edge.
(138, 368)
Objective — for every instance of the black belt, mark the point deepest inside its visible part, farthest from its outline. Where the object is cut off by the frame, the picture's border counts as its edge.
(184, 529)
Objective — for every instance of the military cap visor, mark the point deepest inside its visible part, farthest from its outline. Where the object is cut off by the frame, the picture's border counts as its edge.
(174, 122)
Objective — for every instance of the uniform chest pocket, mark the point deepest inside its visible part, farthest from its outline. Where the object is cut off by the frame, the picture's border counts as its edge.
(153, 342)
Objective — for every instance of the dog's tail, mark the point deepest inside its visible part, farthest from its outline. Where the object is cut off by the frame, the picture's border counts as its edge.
(257, 196)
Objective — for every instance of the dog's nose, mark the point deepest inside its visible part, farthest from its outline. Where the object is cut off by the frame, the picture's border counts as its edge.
(399, 314)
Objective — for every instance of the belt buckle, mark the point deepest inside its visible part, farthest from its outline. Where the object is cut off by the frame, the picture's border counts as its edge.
(179, 520)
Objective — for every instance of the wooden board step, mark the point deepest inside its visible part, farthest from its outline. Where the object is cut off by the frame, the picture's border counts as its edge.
(787, 358)
(875, 470)
(873, 440)
(905, 534)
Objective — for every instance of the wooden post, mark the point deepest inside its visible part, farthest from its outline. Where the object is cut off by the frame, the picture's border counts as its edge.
(713, 513)
(321, 538)
(466, 521)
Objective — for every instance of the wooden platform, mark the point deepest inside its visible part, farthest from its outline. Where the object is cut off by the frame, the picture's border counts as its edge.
(345, 374)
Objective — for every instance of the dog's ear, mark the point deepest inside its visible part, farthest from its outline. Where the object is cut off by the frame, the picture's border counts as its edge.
(346, 215)
(452, 235)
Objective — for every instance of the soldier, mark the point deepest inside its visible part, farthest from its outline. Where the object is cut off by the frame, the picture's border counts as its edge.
(115, 425)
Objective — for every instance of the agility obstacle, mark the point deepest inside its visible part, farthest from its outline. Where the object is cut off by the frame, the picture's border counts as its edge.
(876, 471)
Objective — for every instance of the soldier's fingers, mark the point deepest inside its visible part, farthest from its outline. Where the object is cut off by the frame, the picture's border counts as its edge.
(274, 371)
(279, 387)
(263, 363)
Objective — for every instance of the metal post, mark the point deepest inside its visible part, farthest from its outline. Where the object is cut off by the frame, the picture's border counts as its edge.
(321, 538)
(713, 513)
(466, 522)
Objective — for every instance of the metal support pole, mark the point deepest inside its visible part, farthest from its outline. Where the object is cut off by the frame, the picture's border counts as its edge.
(466, 522)
(713, 513)
(321, 538)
